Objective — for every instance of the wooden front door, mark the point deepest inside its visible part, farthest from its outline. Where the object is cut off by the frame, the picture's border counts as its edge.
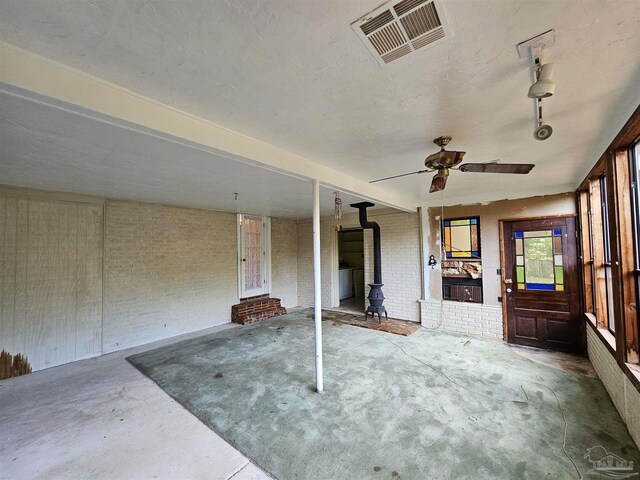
(540, 279)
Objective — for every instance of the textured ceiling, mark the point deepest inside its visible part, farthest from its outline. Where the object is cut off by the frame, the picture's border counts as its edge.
(293, 74)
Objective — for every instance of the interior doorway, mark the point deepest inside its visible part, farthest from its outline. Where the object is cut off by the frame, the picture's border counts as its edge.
(540, 283)
(351, 269)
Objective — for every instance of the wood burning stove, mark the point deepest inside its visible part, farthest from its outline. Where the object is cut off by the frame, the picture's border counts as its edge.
(375, 297)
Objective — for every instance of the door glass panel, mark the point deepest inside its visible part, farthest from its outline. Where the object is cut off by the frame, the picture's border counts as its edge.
(520, 274)
(537, 233)
(539, 262)
(252, 253)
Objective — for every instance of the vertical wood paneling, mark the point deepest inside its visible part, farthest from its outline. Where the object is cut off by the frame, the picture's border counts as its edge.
(51, 290)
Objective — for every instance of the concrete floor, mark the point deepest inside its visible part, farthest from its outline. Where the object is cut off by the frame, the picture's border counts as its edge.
(352, 304)
(102, 419)
(431, 405)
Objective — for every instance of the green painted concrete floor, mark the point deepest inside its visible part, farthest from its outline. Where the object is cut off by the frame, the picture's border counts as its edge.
(429, 406)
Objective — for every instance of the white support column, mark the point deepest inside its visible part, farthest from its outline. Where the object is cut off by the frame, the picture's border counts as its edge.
(317, 285)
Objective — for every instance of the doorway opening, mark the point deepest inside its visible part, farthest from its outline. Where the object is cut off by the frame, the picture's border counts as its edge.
(351, 269)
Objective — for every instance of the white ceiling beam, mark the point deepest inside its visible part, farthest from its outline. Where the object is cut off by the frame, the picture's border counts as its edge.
(34, 73)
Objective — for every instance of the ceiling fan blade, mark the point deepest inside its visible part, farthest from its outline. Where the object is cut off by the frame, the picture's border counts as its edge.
(398, 176)
(438, 183)
(520, 168)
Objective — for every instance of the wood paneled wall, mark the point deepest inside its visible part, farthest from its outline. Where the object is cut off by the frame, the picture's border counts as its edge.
(51, 285)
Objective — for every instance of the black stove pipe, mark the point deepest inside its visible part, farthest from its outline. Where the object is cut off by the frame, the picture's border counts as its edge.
(364, 223)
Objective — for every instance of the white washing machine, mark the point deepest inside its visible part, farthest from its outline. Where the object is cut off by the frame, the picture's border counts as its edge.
(346, 283)
(358, 281)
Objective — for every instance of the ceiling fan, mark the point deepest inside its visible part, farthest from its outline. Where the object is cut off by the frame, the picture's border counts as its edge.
(445, 160)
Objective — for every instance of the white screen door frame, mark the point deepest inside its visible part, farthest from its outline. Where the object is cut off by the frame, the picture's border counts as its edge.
(254, 255)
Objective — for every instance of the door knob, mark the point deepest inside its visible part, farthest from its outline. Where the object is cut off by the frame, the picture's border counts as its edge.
(508, 290)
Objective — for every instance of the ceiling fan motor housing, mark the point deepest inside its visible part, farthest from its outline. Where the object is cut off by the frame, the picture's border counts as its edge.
(443, 159)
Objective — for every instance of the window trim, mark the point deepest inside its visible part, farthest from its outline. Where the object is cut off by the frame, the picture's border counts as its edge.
(615, 164)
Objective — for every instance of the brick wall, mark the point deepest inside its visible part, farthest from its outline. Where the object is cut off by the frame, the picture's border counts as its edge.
(167, 271)
(624, 394)
(460, 317)
(400, 239)
(284, 261)
(305, 261)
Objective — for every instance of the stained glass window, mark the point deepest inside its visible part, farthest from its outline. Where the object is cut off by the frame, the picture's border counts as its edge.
(462, 237)
(539, 260)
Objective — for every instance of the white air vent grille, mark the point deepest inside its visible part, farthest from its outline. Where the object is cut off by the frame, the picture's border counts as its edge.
(421, 21)
(406, 6)
(401, 52)
(387, 38)
(395, 30)
(377, 22)
(428, 39)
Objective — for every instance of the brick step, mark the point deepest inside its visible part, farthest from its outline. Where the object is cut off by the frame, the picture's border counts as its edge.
(256, 308)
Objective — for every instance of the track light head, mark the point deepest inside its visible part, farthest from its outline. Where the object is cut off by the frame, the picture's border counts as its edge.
(544, 86)
(542, 132)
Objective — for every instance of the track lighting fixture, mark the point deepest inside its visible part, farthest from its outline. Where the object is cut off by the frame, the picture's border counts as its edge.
(543, 86)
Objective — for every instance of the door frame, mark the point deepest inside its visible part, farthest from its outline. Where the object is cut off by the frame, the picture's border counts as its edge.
(503, 286)
(266, 245)
(335, 262)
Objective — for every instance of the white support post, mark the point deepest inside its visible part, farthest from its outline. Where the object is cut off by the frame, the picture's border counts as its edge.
(317, 285)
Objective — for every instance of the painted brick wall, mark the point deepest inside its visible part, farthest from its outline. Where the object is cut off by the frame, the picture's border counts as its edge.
(51, 283)
(167, 271)
(400, 239)
(284, 261)
(467, 318)
(305, 261)
(624, 394)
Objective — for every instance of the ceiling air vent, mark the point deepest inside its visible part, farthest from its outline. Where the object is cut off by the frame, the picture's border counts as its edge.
(394, 30)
